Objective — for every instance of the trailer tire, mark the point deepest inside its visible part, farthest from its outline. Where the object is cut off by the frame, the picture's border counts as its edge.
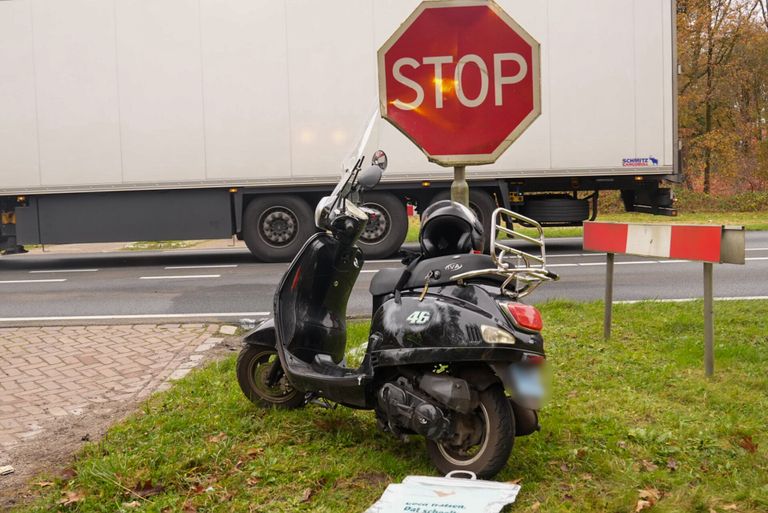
(275, 227)
(483, 205)
(384, 234)
(557, 210)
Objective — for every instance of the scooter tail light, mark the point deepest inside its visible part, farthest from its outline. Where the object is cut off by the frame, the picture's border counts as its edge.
(525, 316)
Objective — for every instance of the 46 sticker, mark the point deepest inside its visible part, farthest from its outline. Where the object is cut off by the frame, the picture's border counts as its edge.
(419, 317)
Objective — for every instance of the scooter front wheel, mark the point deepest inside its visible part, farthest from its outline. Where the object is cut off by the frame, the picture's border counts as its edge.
(482, 440)
(255, 366)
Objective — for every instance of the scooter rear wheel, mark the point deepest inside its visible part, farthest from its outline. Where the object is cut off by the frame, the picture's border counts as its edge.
(483, 439)
(254, 365)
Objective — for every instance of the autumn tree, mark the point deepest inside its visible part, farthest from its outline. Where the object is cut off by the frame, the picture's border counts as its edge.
(711, 35)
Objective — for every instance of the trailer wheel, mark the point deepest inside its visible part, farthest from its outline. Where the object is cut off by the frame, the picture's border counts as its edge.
(483, 205)
(275, 227)
(386, 230)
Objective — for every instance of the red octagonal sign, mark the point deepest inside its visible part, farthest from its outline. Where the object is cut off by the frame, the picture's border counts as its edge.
(461, 79)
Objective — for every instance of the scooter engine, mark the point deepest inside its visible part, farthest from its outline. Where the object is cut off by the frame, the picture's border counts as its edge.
(403, 410)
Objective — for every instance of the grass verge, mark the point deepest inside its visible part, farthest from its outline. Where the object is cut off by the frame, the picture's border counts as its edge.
(629, 420)
(753, 221)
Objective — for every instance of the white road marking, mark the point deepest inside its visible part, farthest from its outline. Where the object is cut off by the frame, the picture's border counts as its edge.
(65, 271)
(757, 249)
(641, 262)
(181, 277)
(371, 271)
(133, 316)
(222, 266)
(691, 299)
(564, 255)
(59, 280)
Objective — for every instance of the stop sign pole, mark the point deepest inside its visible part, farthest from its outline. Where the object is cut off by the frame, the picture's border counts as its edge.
(462, 80)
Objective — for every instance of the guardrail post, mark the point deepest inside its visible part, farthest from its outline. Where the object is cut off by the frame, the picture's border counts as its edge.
(709, 322)
(608, 296)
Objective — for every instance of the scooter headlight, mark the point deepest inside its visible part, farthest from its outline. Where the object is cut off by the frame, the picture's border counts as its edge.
(494, 335)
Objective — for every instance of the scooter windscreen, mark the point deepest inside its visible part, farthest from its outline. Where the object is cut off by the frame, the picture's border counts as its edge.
(351, 165)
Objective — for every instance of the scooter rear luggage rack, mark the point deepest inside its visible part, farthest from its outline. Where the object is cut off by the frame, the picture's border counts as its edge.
(527, 270)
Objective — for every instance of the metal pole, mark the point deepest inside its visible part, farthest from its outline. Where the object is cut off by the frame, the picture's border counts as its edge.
(608, 296)
(460, 187)
(709, 322)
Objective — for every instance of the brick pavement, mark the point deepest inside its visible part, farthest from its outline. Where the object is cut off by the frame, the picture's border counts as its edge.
(55, 372)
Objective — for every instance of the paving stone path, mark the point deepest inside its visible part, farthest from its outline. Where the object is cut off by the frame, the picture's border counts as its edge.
(48, 373)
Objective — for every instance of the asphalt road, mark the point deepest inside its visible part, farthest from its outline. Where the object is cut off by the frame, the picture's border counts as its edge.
(229, 285)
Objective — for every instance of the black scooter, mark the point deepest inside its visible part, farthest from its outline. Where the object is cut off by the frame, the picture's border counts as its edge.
(448, 338)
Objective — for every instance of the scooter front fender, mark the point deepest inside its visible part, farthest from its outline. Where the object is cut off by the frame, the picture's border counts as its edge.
(262, 335)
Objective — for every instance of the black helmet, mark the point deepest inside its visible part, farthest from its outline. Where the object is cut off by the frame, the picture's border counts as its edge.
(449, 228)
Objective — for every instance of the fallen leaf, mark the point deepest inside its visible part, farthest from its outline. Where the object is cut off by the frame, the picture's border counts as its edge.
(252, 481)
(730, 507)
(650, 494)
(572, 394)
(586, 477)
(516, 481)
(146, 489)
(641, 505)
(535, 506)
(254, 451)
(71, 498)
(748, 445)
(672, 464)
(132, 504)
(648, 497)
(306, 495)
(188, 508)
(68, 474)
(649, 466)
(217, 438)
(564, 467)
(622, 444)
(43, 484)
(580, 453)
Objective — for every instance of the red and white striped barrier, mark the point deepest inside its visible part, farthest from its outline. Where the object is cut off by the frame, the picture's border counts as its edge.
(701, 243)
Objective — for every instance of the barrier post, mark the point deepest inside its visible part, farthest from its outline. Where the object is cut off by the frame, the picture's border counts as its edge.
(710, 244)
(608, 296)
(709, 322)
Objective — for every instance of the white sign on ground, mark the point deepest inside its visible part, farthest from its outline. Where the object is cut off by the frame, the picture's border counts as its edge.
(419, 494)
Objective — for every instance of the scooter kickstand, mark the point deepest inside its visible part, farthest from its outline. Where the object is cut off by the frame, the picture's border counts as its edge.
(324, 403)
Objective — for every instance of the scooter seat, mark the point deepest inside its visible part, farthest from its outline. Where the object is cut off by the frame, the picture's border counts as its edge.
(384, 281)
(440, 269)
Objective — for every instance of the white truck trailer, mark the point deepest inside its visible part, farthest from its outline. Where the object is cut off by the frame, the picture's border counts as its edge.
(190, 119)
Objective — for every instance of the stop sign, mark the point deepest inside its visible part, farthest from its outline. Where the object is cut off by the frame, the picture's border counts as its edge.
(461, 79)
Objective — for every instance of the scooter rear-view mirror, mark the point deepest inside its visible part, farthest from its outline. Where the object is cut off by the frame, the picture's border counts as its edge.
(369, 178)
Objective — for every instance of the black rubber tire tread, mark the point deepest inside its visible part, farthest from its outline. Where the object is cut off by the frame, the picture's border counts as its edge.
(247, 356)
(398, 227)
(500, 441)
(483, 204)
(556, 210)
(253, 239)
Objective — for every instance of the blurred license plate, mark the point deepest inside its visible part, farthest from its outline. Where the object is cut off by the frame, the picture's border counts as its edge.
(528, 381)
